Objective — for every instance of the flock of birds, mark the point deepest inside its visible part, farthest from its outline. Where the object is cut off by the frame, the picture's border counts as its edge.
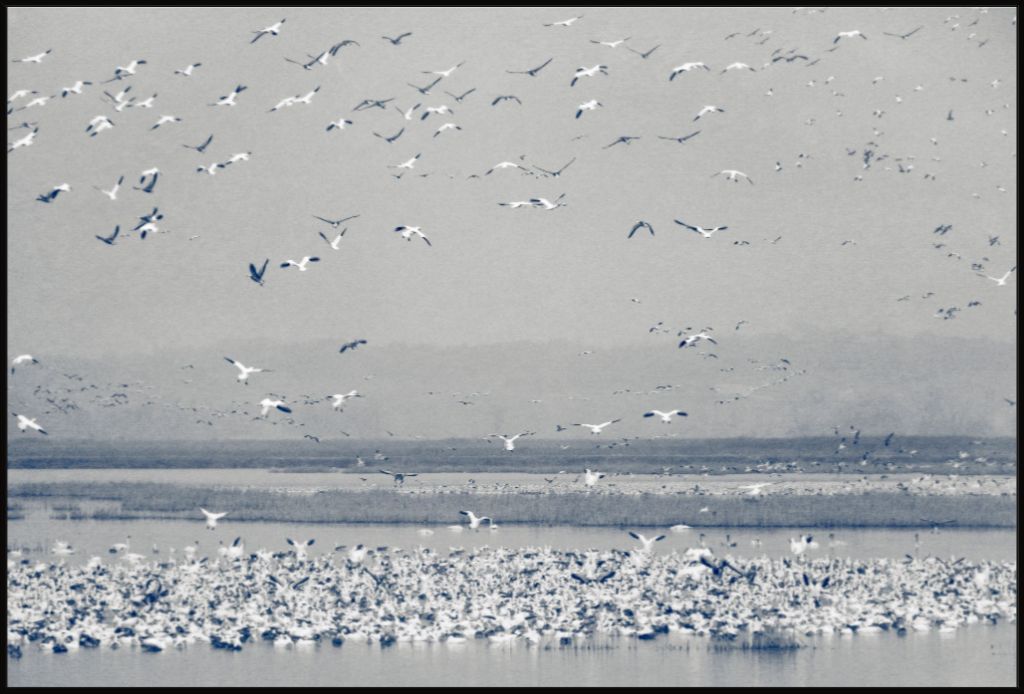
(121, 99)
(533, 595)
(360, 594)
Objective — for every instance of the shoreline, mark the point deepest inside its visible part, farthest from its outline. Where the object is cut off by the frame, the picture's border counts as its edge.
(604, 508)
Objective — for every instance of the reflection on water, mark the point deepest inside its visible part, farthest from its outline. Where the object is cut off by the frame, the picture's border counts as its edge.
(37, 533)
(979, 656)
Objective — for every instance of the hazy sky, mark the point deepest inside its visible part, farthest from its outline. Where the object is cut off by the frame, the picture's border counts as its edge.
(495, 274)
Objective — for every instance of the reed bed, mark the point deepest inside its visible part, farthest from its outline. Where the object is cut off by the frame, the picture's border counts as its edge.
(161, 500)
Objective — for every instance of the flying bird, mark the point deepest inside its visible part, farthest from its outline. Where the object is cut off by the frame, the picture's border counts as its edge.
(38, 58)
(212, 518)
(597, 428)
(849, 35)
(733, 175)
(270, 403)
(187, 72)
(52, 195)
(565, 22)
(408, 232)
(588, 72)
(647, 544)
(640, 225)
(245, 371)
(301, 264)
(703, 231)
(666, 417)
(510, 444)
(22, 359)
(686, 67)
(351, 345)
(109, 240)
(229, 99)
(273, 29)
(532, 72)
(398, 39)
(682, 139)
(257, 275)
(24, 424)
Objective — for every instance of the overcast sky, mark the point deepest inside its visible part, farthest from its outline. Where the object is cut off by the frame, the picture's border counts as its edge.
(495, 274)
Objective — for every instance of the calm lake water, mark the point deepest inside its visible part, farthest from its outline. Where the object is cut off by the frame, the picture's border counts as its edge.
(972, 656)
(38, 531)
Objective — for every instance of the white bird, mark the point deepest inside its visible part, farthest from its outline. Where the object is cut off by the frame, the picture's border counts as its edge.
(737, 66)
(408, 114)
(407, 164)
(444, 73)
(308, 98)
(474, 521)
(244, 370)
(709, 109)
(547, 204)
(273, 29)
(187, 72)
(648, 543)
(129, 69)
(270, 403)
(211, 169)
(338, 124)
(408, 232)
(300, 547)
(302, 264)
(24, 141)
(588, 72)
(439, 110)
(1000, 281)
(76, 88)
(596, 428)
(34, 58)
(166, 119)
(611, 44)
(336, 243)
(62, 548)
(211, 519)
(510, 444)
(357, 554)
(564, 23)
(733, 175)
(591, 478)
(686, 67)
(697, 337)
(235, 158)
(706, 232)
(38, 101)
(287, 101)
(681, 528)
(112, 193)
(340, 398)
(755, 489)
(24, 423)
(666, 417)
(23, 359)
(447, 126)
(145, 103)
(800, 545)
(229, 99)
(98, 125)
(848, 35)
(503, 165)
(588, 106)
(19, 94)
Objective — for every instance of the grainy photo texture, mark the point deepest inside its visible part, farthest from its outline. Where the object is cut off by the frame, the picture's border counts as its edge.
(600, 346)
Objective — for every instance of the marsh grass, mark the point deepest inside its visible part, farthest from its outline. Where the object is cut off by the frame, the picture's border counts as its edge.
(162, 500)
